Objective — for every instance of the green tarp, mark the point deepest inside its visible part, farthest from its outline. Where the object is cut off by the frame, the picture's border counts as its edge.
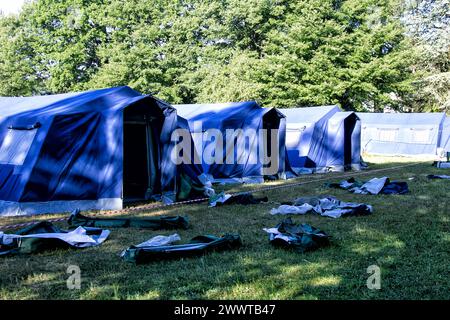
(301, 237)
(46, 236)
(198, 246)
(155, 223)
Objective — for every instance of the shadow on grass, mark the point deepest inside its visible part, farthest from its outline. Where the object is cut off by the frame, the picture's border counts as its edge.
(407, 237)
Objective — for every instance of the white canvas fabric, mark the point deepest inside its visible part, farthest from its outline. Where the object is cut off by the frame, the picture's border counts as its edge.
(373, 186)
(287, 209)
(160, 241)
(325, 206)
(276, 234)
(76, 238)
(221, 199)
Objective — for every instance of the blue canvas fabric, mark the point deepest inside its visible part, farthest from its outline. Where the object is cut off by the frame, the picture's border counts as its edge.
(344, 141)
(406, 134)
(322, 139)
(240, 115)
(75, 156)
(445, 137)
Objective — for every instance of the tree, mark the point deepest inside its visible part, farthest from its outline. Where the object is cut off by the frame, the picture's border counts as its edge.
(428, 24)
(314, 52)
(347, 52)
(17, 59)
(282, 53)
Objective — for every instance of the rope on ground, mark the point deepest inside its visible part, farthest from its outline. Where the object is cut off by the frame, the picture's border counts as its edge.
(200, 200)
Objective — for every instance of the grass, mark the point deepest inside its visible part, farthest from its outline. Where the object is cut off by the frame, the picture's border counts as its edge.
(407, 237)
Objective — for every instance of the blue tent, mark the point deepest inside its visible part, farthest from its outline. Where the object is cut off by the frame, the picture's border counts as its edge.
(409, 134)
(445, 137)
(245, 164)
(320, 139)
(90, 150)
(344, 141)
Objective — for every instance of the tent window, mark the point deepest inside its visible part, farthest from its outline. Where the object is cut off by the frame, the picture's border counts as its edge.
(421, 136)
(15, 146)
(292, 138)
(387, 135)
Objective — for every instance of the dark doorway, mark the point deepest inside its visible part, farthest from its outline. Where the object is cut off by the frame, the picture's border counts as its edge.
(135, 178)
(141, 176)
(271, 121)
(349, 127)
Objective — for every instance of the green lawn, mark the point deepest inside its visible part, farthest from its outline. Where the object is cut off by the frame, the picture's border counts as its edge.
(407, 237)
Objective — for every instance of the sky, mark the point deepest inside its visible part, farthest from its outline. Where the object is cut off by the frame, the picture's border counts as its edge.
(10, 6)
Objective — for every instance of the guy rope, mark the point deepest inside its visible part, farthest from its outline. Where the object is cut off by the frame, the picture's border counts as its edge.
(151, 207)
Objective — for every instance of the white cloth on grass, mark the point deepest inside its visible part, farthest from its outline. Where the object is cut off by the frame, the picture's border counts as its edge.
(220, 199)
(287, 209)
(76, 238)
(325, 206)
(276, 234)
(160, 241)
(373, 186)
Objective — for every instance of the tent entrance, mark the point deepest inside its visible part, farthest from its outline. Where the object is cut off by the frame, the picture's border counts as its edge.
(271, 121)
(140, 159)
(349, 127)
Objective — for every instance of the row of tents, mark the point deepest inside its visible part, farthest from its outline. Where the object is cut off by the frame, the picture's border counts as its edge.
(100, 149)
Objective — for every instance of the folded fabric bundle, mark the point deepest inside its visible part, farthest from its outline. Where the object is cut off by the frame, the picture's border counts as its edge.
(432, 176)
(301, 238)
(200, 245)
(156, 223)
(45, 236)
(373, 186)
(243, 199)
(327, 206)
(442, 164)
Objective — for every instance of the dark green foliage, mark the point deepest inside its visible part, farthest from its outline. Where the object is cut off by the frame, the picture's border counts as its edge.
(428, 23)
(281, 53)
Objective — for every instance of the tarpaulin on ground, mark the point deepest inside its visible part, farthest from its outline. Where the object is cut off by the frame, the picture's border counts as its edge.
(198, 246)
(442, 165)
(300, 237)
(433, 176)
(242, 199)
(154, 223)
(374, 186)
(46, 236)
(327, 206)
